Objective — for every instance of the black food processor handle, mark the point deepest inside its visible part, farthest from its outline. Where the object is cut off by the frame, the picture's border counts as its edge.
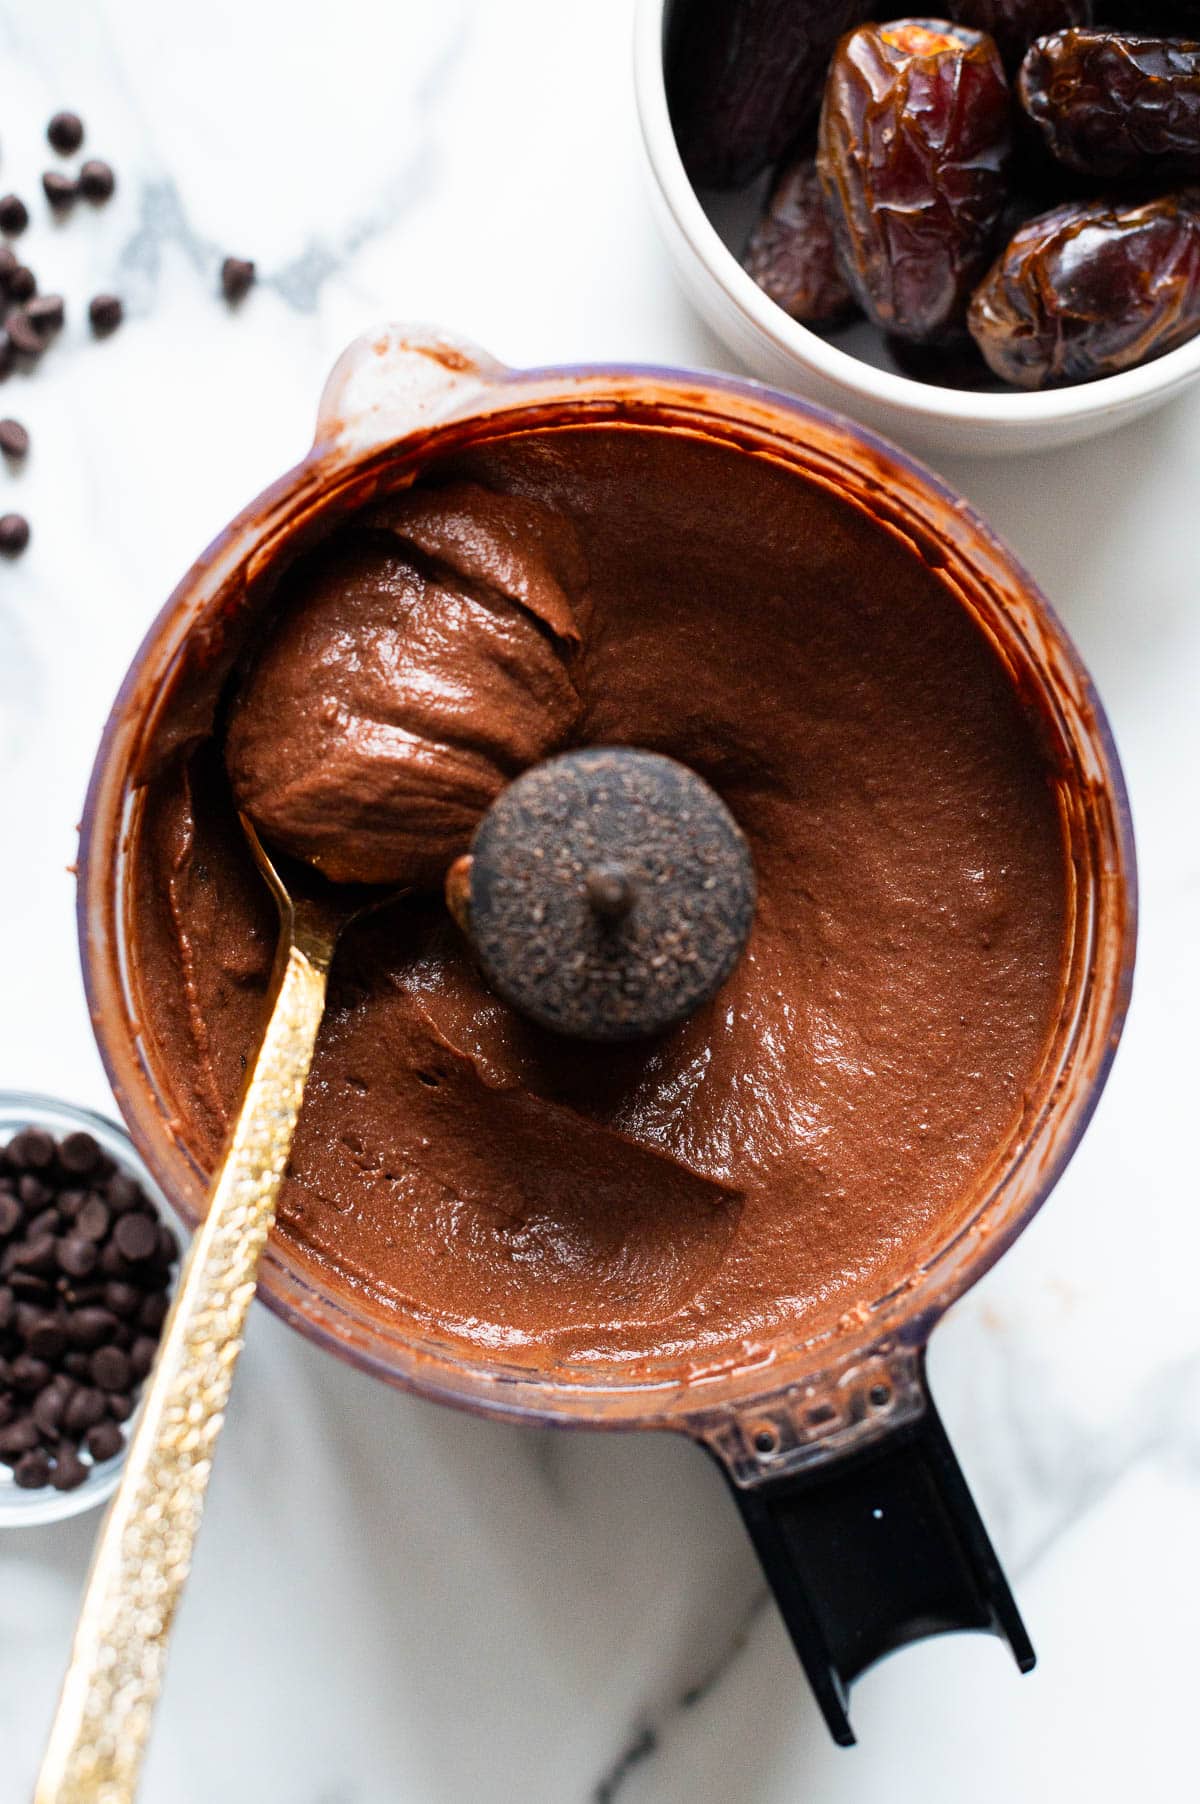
(878, 1547)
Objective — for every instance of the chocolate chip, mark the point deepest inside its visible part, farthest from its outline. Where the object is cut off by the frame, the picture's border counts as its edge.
(31, 1150)
(48, 1409)
(70, 1202)
(69, 1470)
(48, 1340)
(120, 1405)
(78, 1365)
(96, 179)
(104, 1441)
(153, 1312)
(237, 277)
(79, 1152)
(22, 283)
(29, 1375)
(111, 1262)
(168, 1244)
(46, 1221)
(136, 1238)
(8, 262)
(94, 1219)
(123, 1299)
(65, 132)
(84, 1410)
(122, 1193)
(32, 1471)
(10, 1215)
(33, 1192)
(46, 314)
(106, 313)
(14, 534)
(90, 1327)
(17, 1438)
(110, 1369)
(59, 189)
(14, 439)
(31, 1286)
(23, 335)
(33, 1256)
(77, 1256)
(141, 1357)
(14, 214)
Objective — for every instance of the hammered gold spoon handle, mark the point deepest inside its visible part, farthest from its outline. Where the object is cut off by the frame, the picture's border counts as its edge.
(102, 1724)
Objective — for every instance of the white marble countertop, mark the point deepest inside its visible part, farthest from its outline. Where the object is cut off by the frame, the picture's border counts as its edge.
(394, 1604)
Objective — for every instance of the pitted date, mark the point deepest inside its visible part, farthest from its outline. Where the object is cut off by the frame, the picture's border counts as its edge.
(1112, 104)
(1091, 288)
(744, 79)
(913, 142)
(791, 254)
(1015, 23)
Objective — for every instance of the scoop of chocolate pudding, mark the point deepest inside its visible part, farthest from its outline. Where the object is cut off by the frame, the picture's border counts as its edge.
(799, 1146)
(417, 667)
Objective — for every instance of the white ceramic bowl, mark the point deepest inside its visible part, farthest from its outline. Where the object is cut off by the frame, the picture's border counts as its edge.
(761, 335)
(20, 1109)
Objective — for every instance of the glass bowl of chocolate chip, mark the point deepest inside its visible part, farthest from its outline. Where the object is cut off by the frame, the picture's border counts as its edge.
(87, 1269)
(978, 232)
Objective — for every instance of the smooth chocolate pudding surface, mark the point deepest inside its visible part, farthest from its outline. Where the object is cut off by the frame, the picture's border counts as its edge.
(801, 1144)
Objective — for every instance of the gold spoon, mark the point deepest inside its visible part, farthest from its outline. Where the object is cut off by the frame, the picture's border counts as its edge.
(144, 1550)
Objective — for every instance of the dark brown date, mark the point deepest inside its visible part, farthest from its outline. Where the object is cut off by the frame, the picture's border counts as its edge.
(744, 79)
(1114, 105)
(1015, 23)
(1091, 288)
(913, 142)
(791, 254)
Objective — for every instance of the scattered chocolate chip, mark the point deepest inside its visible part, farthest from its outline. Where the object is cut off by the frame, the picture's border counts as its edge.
(77, 1256)
(14, 439)
(136, 1238)
(14, 214)
(65, 132)
(8, 356)
(32, 1470)
(47, 314)
(69, 1470)
(23, 335)
(104, 1441)
(96, 179)
(106, 313)
(110, 1369)
(59, 190)
(22, 283)
(8, 262)
(17, 1438)
(14, 534)
(237, 277)
(31, 1150)
(84, 1410)
(93, 1220)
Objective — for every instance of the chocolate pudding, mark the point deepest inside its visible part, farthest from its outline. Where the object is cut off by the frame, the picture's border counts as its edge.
(796, 1148)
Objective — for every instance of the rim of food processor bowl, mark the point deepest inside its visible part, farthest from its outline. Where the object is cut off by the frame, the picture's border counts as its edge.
(397, 398)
